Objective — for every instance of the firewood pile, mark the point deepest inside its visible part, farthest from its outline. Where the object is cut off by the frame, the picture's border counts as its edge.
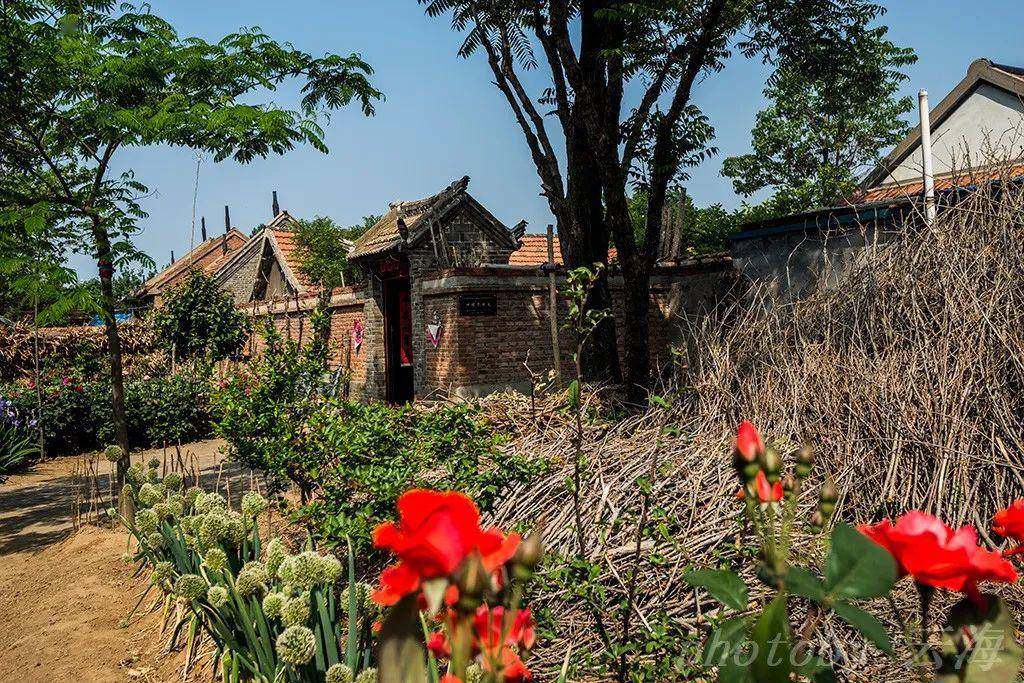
(58, 344)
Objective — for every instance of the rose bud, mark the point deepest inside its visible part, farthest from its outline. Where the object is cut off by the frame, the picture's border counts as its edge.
(772, 464)
(804, 461)
(817, 520)
(791, 486)
(747, 451)
(528, 556)
(473, 581)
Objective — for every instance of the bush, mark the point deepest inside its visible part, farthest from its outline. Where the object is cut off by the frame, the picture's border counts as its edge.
(364, 456)
(77, 416)
(201, 320)
(16, 439)
(350, 460)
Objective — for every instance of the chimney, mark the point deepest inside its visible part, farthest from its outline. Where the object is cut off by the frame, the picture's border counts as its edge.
(172, 257)
(202, 222)
(926, 157)
(276, 207)
(227, 229)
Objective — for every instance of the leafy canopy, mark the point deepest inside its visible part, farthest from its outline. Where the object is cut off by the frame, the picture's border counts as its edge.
(322, 249)
(825, 126)
(83, 79)
(201, 320)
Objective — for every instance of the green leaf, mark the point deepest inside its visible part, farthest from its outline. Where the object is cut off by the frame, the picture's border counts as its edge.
(990, 654)
(815, 668)
(574, 394)
(801, 582)
(770, 635)
(867, 624)
(722, 584)
(723, 650)
(857, 567)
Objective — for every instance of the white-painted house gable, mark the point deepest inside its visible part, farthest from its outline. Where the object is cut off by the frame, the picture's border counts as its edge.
(980, 122)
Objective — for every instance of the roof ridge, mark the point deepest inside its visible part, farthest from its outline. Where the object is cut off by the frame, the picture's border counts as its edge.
(419, 205)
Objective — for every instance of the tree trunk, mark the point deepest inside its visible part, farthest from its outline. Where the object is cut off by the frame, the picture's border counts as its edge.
(39, 384)
(588, 244)
(106, 272)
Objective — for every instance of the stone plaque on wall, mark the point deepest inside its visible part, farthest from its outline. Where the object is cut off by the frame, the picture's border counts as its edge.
(478, 304)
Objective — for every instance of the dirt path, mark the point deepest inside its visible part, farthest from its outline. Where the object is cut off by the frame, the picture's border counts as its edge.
(64, 595)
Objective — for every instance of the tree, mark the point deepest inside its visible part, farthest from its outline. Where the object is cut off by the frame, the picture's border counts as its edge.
(200, 320)
(37, 277)
(322, 248)
(660, 49)
(502, 31)
(81, 81)
(820, 133)
(706, 229)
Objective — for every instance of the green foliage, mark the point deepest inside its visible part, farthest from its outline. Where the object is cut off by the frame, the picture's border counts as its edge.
(365, 456)
(35, 279)
(17, 437)
(721, 584)
(831, 115)
(706, 230)
(201, 320)
(322, 246)
(979, 644)
(278, 416)
(76, 415)
(262, 409)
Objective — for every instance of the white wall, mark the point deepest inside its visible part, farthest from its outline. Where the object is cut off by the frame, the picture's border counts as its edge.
(987, 126)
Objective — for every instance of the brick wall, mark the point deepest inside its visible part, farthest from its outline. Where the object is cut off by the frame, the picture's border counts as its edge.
(239, 283)
(480, 354)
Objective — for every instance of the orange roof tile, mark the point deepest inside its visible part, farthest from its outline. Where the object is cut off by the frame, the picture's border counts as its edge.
(534, 252)
(174, 272)
(902, 191)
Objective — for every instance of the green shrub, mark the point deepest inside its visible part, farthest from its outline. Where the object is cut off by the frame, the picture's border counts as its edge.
(17, 440)
(364, 456)
(77, 416)
(351, 460)
(201, 320)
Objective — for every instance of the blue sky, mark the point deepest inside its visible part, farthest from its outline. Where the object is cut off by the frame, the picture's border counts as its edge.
(443, 119)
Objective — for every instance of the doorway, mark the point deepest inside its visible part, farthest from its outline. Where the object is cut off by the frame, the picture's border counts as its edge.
(398, 340)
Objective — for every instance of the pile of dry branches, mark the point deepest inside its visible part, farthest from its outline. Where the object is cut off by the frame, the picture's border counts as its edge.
(908, 378)
(58, 344)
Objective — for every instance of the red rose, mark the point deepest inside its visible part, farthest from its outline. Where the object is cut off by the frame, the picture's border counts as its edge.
(766, 492)
(748, 442)
(490, 621)
(435, 533)
(935, 555)
(1009, 523)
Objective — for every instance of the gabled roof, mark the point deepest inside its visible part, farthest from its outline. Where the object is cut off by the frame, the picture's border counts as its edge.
(173, 273)
(406, 223)
(277, 238)
(533, 251)
(1002, 76)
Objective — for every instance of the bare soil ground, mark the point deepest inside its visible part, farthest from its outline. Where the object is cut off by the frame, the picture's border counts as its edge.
(65, 594)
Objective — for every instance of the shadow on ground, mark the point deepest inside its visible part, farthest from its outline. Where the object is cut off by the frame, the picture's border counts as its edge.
(37, 508)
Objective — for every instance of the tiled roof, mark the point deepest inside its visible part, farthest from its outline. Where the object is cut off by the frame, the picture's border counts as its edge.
(417, 217)
(534, 252)
(172, 273)
(948, 182)
(384, 235)
(286, 243)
